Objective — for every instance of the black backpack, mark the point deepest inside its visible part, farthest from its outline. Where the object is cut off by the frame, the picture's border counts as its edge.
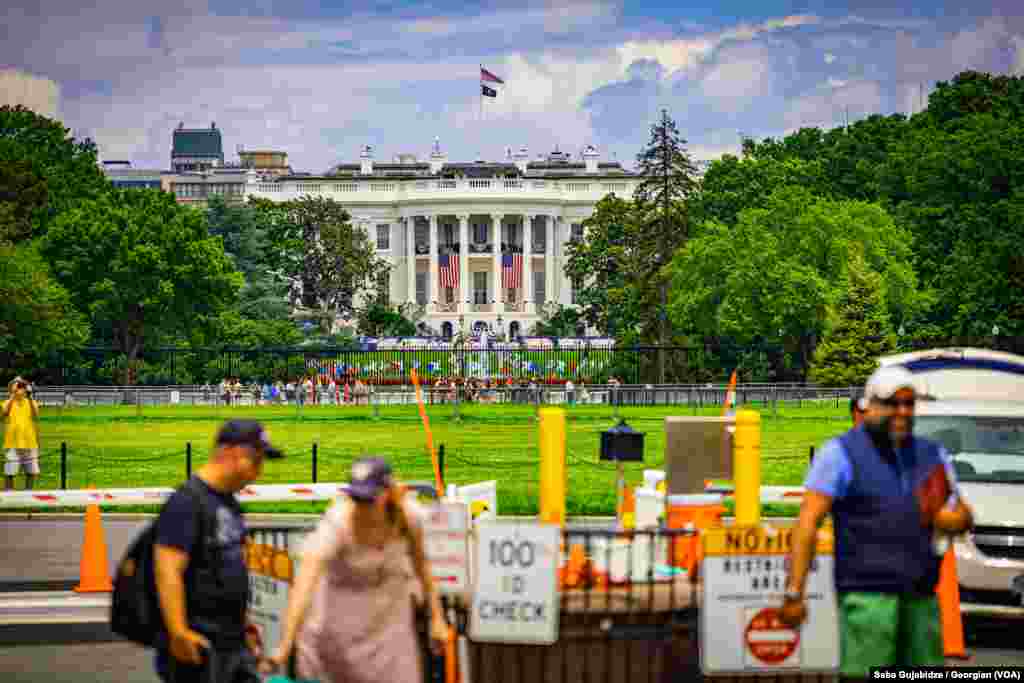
(135, 611)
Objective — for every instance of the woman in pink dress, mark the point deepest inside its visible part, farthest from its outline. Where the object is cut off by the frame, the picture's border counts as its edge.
(350, 616)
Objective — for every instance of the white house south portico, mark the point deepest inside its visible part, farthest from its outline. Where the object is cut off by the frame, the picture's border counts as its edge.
(478, 245)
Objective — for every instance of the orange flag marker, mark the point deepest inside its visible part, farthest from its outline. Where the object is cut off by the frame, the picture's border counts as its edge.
(430, 436)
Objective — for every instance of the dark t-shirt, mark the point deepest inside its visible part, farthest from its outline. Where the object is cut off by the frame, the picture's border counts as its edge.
(216, 605)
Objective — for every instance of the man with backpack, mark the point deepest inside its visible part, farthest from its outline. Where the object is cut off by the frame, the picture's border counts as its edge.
(202, 581)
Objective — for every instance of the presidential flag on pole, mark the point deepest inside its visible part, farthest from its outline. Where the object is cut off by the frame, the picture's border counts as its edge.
(448, 268)
(511, 271)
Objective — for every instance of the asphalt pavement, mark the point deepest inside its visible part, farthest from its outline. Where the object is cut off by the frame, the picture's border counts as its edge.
(43, 554)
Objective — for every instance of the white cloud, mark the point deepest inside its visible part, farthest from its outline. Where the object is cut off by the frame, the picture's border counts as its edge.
(1018, 66)
(836, 82)
(829, 110)
(829, 58)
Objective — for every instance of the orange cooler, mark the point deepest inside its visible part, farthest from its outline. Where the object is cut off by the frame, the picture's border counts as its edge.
(692, 511)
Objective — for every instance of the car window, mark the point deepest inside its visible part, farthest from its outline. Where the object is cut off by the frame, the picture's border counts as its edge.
(984, 449)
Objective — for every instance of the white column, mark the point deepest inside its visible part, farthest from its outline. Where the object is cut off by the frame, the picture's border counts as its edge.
(564, 286)
(410, 258)
(496, 239)
(464, 284)
(549, 260)
(434, 290)
(528, 264)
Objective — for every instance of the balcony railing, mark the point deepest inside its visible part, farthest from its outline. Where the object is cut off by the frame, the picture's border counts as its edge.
(515, 307)
(381, 188)
(447, 307)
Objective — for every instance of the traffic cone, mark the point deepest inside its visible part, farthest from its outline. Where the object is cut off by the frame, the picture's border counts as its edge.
(948, 592)
(94, 572)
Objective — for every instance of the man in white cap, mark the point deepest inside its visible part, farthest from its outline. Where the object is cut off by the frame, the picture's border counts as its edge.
(889, 492)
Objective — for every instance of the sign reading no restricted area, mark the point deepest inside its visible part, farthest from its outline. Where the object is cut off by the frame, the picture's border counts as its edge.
(744, 574)
(516, 596)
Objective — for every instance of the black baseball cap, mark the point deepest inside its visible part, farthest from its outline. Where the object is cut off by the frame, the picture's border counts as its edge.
(370, 478)
(247, 433)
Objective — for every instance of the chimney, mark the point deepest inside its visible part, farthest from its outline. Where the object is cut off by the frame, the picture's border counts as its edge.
(522, 157)
(437, 157)
(590, 157)
(366, 160)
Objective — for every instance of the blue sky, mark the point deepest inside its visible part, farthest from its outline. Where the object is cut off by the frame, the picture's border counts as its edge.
(321, 79)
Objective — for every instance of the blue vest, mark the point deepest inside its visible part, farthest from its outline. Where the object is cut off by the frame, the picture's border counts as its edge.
(881, 545)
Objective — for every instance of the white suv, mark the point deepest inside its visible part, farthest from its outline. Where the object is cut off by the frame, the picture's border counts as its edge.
(974, 405)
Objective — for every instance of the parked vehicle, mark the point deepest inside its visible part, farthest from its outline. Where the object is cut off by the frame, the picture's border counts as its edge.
(974, 405)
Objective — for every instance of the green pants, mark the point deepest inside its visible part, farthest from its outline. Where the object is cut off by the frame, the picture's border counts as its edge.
(888, 629)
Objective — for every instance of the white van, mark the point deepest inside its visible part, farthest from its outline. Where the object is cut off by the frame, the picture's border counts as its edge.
(974, 404)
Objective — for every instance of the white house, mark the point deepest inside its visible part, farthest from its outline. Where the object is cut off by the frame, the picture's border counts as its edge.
(479, 245)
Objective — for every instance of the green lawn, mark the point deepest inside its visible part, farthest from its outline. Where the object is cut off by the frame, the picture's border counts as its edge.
(128, 447)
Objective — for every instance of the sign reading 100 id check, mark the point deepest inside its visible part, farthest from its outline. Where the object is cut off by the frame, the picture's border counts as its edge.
(744, 571)
(516, 596)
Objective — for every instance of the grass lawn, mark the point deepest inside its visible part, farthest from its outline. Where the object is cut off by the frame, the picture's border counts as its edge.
(128, 447)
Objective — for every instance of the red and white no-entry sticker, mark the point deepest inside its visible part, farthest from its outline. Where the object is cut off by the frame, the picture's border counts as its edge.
(769, 640)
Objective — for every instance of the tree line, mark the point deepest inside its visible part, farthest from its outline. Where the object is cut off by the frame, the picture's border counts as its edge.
(802, 257)
(810, 255)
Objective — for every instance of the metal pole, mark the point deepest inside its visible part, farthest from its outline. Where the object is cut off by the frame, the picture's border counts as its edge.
(314, 461)
(63, 465)
(188, 460)
(440, 466)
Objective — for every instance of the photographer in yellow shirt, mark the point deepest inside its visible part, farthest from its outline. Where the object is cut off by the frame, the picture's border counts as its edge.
(21, 437)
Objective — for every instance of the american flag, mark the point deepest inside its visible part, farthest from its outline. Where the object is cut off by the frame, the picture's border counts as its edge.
(449, 270)
(511, 271)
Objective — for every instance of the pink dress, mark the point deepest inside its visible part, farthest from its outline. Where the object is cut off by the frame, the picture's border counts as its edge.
(360, 627)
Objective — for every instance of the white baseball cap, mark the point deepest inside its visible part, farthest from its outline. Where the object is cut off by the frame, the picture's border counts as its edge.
(886, 381)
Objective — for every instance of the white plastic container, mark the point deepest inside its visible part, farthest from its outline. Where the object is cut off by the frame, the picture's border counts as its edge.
(650, 508)
(652, 478)
(613, 557)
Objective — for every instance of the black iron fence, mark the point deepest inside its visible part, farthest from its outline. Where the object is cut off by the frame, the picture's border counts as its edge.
(565, 359)
(615, 625)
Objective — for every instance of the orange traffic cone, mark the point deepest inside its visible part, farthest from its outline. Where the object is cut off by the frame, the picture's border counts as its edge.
(948, 591)
(94, 573)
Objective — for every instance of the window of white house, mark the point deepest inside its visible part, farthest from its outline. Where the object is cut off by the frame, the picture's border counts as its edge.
(577, 232)
(539, 295)
(480, 288)
(421, 289)
(383, 237)
(480, 233)
(539, 238)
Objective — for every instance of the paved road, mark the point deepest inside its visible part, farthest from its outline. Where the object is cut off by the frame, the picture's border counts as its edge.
(45, 553)
(37, 552)
(127, 663)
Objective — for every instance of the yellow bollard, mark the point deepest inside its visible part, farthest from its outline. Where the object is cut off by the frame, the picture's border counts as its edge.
(747, 467)
(552, 465)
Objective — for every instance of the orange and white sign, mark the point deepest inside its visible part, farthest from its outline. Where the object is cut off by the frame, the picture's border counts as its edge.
(446, 537)
(745, 571)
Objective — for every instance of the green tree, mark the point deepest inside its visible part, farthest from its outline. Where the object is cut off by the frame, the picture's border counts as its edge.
(557, 321)
(142, 266)
(23, 197)
(383, 320)
(670, 179)
(36, 314)
(35, 148)
(246, 240)
(858, 333)
(605, 262)
(330, 263)
(774, 275)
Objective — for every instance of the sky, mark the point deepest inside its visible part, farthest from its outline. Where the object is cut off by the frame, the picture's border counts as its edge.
(319, 79)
